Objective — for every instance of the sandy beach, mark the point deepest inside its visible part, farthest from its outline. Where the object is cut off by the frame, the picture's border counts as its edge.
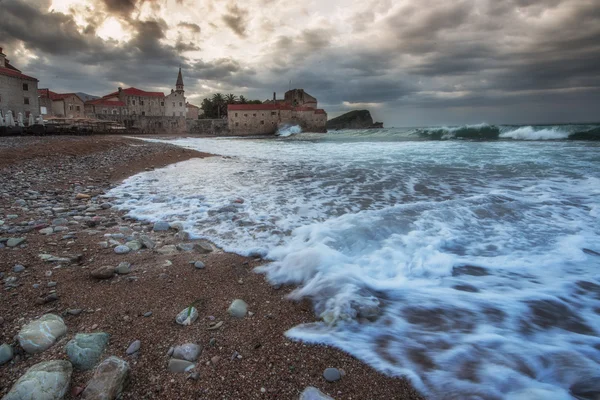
(58, 182)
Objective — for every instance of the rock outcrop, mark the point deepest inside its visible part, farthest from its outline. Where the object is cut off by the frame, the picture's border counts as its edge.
(357, 119)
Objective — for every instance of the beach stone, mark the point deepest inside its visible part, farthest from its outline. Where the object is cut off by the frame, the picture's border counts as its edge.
(48, 380)
(40, 334)
(586, 389)
(122, 249)
(104, 272)
(21, 202)
(238, 308)
(185, 246)
(168, 250)
(123, 268)
(18, 268)
(134, 347)
(203, 247)
(109, 380)
(60, 222)
(82, 196)
(177, 366)
(182, 317)
(134, 245)
(147, 242)
(85, 349)
(14, 242)
(199, 265)
(47, 231)
(6, 353)
(160, 226)
(312, 393)
(188, 352)
(332, 374)
(178, 226)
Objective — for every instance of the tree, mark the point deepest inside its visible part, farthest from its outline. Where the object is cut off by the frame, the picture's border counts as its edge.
(219, 102)
(231, 98)
(243, 100)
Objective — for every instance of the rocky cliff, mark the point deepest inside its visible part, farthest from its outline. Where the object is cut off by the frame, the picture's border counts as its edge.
(357, 119)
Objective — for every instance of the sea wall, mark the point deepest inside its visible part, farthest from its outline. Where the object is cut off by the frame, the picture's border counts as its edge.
(217, 127)
(148, 124)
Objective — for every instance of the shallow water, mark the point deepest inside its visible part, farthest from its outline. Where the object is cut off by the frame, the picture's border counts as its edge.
(456, 263)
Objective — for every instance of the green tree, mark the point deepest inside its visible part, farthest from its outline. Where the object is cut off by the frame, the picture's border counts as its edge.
(243, 100)
(219, 102)
(231, 98)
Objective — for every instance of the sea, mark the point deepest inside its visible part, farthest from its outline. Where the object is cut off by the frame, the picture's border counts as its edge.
(466, 259)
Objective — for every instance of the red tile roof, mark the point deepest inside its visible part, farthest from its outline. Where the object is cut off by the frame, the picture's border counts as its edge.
(320, 111)
(137, 92)
(251, 107)
(104, 102)
(47, 93)
(16, 74)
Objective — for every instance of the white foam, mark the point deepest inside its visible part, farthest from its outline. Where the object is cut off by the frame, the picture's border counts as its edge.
(372, 232)
(288, 130)
(530, 133)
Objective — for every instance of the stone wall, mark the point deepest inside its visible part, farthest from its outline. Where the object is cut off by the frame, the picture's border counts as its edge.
(148, 124)
(69, 107)
(13, 96)
(254, 122)
(217, 127)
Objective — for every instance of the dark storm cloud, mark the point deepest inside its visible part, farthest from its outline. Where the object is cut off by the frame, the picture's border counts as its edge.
(195, 28)
(236, 19)
(124, 7)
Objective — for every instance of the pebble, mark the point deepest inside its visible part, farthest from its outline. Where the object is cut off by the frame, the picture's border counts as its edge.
(134, 245)
(189, 352)
(147, 242)
(6, 353)
(104, 272)
(134, 347)
(60, 222)
(122, 249)
(187, 316)
(14, 242)
(199, 265)
(148, 314)
(176, 365)
(312, 393)
(18, 268)
(51, 284)
(160, 226)
(238, 308)
(215, 360)
(194, 376)
(123, 268)
(47, 231)
(332, 375)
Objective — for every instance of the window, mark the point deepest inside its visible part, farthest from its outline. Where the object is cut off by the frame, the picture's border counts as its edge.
(70, 107)
(237, 124)
(262, 122)
(78, 108)
(133, 102)
(273, 113)
(180, 104)
(143, 113)
(26, 100)
(236, 114)
(141, 102)
(26, 87)
(254, 115)
(162, 103)
(173, 104)
(114, 111)
(44, 110)
(245, 115)
(105, 111)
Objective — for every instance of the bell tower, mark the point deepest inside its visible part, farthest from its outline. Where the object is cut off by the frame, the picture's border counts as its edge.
(179, 84)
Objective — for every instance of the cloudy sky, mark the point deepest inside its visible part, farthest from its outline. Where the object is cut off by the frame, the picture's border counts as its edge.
(411, 62)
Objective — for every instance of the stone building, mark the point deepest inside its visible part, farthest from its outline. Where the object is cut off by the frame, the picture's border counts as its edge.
(175, 102)
(63, 105)
(94, 108)
(18, 92)
(192, 111)
(298, 108)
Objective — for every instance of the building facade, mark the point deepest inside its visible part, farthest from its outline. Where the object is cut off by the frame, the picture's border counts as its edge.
(298, 108)
(18, 92)
(175, 102)
(192, 111)
(62, 105)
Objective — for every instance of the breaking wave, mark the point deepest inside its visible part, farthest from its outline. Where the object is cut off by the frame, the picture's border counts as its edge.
(288, 130)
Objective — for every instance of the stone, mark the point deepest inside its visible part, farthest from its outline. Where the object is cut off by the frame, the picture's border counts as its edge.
(168, 250)
(215, 360)
(82, 196)
(185, 246)
(586, 389)
(194, 376)
(312, 393)
(51, 284)
(120, 249)
(18, 268)
(178, 226)
(148, 314)
(21, 202)
(187, 316)
(85, 349)
(161, 226)
(332, 375)
(123, 268)
(109, 380)
(6, 353)
(238, 308)
(14, 242)
(60, 222)
(104, 272)
(177, 366)
(188, 352)
(134, 245)
(47, 231)
(134, 347)
(199, 265)
(147, 242)
(47, 299)
(40, 334)
(203, 247)
(48, 380)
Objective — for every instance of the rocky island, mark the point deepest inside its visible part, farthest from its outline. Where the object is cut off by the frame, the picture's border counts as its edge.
(357, 119)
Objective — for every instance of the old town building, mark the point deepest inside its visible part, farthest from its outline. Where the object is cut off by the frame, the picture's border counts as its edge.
(175, 102)
(62, 105)
(18, 92)
(192, 111)
(298, 108)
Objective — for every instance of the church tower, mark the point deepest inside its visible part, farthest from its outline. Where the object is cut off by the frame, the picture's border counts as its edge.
(179, 84)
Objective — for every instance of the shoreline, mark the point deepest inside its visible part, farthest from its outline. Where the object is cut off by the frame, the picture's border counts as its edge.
(42, 179)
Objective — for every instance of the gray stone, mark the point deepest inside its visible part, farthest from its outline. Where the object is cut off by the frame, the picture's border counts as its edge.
(238, 308)
(199, 265)
(134, 245)
(123, 268)
(109, 380)
(21, 202)
(122, 249)
(178, 226)
(147, 242)
(312, 393)
(40, 334)
(51, 284)
(148, 314)
(104, 272)
(160, 226)
(203, 247)
(105, 206)
(185, 246)
(167, 250)
(332, 374)
(187, 316)
(134, 347)
(47, 231)
(586, 389)
(60, 222)
(6, 353)
(48, 380)
(18, 268)
(176, 365)
(14, 242)
(188, 352)
(85, 349)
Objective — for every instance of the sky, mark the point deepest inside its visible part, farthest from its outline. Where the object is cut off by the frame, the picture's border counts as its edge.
(410, 62)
